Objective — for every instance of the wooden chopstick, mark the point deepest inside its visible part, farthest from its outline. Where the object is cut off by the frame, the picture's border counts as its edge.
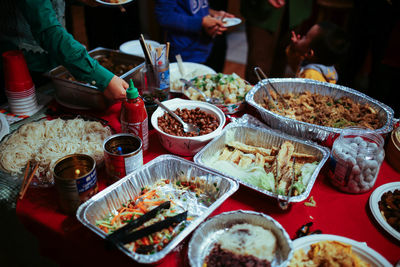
(145, 50)
(29, 181)
(167, 52)
(25, 177)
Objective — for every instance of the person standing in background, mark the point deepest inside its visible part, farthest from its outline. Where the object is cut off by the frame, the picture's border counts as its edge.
(314, 55)
(190, 27)
(216, 59)
(268, 26)
(37, 29)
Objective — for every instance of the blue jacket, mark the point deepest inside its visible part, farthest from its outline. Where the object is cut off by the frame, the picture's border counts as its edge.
(181, 19)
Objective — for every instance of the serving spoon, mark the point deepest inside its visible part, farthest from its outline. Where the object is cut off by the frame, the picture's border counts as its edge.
(212, 100)
(187, 127)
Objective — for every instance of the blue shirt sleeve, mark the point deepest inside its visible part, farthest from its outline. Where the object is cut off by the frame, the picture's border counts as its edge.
(172, 16)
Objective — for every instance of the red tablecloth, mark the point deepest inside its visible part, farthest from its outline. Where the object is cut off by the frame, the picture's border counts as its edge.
(66, 241)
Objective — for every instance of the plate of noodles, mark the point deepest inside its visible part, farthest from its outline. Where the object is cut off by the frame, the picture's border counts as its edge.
(333, 250)
(45, 141)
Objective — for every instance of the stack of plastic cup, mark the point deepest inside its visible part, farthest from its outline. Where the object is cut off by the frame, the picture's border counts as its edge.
(19, 87)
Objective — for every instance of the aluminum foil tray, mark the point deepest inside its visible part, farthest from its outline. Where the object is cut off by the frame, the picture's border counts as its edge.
(254, 135)
(78, 95)
(206, 235)
(306, 130)
(165, 166)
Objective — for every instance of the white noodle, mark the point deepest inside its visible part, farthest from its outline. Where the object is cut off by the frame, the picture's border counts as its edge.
(47, 141)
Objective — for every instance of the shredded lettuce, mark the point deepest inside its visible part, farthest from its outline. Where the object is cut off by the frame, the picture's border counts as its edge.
(255, 175)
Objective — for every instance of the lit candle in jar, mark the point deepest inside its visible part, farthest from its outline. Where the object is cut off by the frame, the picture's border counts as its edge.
(77, 172)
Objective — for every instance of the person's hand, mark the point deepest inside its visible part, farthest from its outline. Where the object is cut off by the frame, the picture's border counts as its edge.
(220, 14)
(116, 89)
(277, 3)
(295, 37)
(213, 26)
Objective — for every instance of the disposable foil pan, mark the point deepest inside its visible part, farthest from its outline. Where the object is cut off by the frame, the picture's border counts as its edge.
(263, 137)
(165, 166)
(307, 130)
(206, 235)
(78, 95)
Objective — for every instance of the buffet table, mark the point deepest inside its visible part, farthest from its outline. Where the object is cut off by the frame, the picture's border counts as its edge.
(65, 241)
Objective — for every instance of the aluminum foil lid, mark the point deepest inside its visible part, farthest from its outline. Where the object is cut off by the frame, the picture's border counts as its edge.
(307, 130)
(208, 232)
(163, 167)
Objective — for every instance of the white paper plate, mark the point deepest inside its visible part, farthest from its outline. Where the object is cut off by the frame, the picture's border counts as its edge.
(229, 22)
(120, 2)
(4, 127)
(191, 70)
(365, 253)
(374, 206)
(134, 48)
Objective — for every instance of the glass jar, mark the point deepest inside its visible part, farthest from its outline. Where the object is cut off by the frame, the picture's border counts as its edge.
(356, 158)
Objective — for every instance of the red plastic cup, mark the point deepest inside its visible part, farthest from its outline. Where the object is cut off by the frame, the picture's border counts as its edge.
(16, 73)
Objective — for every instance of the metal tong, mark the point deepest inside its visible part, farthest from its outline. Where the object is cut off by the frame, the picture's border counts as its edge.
(125, 234)
(285, 200)
(258, 71)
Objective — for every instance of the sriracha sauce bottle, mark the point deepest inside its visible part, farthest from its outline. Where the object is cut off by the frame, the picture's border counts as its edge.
(134, 116)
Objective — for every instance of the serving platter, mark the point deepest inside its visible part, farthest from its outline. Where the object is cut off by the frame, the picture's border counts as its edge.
(374, 206)
(305, 130)
(249, 133)
(361, 249)
(162, 167)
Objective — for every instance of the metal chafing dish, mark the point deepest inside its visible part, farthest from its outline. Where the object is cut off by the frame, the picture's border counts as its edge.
(167, 167)
(79, 95)
(249, 131)
(306, 130)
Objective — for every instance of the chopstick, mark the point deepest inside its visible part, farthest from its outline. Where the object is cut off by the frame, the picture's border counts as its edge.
(259, 71)
(145, 50)
(25, 177)
(27, 180)
(167, 53)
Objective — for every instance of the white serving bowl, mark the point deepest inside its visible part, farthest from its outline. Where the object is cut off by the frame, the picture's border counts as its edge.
(182, 145)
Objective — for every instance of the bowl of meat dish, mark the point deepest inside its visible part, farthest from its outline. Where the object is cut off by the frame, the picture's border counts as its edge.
(317, 110)
(240, 238)
(149, 212)
(209, 118)
(230, 89)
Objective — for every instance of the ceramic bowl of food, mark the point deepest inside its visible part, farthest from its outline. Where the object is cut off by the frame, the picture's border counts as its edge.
(230, 89)
(209, 118)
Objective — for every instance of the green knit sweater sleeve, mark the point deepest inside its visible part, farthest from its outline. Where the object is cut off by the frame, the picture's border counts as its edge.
(61, 46)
